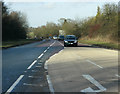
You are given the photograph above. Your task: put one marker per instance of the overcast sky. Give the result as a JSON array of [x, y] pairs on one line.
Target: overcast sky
[[39, 13]]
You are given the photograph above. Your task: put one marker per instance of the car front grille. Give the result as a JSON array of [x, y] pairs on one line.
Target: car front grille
[[70, 41]]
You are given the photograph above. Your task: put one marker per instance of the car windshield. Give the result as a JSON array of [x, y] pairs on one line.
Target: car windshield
[[61, 36], [70, 38]]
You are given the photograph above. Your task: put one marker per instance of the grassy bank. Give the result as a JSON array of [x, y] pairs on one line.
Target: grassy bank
[[104, 44], [8, 44]]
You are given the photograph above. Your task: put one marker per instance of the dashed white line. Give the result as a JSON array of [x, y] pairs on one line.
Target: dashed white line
[[94, 63], [32, 64], [41, 55], [45, 51], [48, 48], [50, 84], [21, 76], [15, 83]]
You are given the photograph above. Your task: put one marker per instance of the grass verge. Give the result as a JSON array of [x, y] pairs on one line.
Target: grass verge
[[103, 44], [8, 44]]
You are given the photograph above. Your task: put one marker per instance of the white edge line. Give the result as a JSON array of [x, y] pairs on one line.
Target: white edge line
[[15, 83], [45, 67], [50, 84], [94, 63], [32, 64]]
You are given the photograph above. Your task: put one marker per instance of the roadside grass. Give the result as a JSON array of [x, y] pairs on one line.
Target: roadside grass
[[104, 44], [7, 44]]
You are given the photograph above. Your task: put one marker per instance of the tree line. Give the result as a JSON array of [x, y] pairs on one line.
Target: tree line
[[14, 24], [104, 25]]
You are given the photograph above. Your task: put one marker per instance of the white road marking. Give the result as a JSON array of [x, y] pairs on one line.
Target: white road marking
[[38, 66], [61, 43], [34, 77], [21, 76], [117, 75], [45, 51], [15, 83], [32, 64], [46, 67], [32, 84], [40, 63], [35, 71], [94, 63], [93, 81], [50, 84], [41, 55], [48, 48]]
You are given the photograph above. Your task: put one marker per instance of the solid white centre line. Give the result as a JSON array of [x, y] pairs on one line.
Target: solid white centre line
[[117, 75], [50, 84], [15, 83], [93, 81], [94, 63], [32, 64]]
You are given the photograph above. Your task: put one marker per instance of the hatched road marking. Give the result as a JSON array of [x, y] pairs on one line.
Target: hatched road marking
[[93, 81], [21, 76], [61, 43]]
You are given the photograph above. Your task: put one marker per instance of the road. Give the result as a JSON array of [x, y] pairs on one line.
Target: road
[[23, 66], [84, 69], [48, 66]]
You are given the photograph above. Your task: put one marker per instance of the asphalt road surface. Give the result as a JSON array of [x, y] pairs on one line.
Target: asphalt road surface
[[48, 66], [23, 66], [84, 69]]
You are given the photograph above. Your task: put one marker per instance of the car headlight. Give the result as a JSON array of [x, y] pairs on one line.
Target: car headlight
[[75, 41], [66, 41]]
